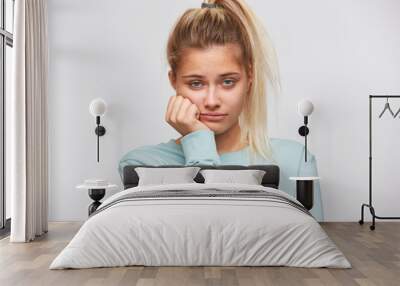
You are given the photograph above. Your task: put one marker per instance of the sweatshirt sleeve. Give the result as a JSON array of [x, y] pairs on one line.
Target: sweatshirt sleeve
[[199, 148]]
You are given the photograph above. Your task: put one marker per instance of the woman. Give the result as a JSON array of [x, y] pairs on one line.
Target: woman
[[220, 63]]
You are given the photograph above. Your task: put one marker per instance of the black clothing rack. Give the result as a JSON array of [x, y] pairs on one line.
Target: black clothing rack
[[371, 208]]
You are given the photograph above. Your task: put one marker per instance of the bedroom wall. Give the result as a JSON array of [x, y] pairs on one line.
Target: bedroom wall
[[335, 53]]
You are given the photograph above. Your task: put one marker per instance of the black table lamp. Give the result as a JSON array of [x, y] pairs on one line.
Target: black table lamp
[[305, 108]]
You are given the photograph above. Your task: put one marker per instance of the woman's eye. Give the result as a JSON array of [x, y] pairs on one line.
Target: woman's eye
[[195, 84], [229, 82]]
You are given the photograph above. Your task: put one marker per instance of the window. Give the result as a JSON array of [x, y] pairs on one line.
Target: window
[[6, 60]]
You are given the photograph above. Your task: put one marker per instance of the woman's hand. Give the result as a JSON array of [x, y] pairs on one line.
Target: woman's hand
[[183, 115]]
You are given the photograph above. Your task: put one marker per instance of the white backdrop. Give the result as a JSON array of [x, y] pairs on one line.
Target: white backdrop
[[334, 53]]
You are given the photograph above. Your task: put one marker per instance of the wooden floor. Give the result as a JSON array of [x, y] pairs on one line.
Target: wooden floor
[[374, 255]]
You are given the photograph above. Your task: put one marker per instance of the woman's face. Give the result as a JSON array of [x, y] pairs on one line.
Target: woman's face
[[216, 81]]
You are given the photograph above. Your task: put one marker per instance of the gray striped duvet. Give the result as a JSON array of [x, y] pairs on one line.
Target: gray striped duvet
[[201, 225]]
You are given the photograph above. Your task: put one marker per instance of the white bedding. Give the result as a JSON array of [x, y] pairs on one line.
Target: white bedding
[[226, 231]]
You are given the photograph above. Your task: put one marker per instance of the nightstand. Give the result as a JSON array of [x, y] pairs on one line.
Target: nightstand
[[305, 190], [96, 191]]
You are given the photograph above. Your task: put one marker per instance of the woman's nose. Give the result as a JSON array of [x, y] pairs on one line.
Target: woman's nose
[[212, 100]]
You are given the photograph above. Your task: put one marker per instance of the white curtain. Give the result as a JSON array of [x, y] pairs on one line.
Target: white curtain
[[26, 119]]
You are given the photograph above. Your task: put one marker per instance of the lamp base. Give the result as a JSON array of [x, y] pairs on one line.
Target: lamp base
[[303, 130], [100, 130]]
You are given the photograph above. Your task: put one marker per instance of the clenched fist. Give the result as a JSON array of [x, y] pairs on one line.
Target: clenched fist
[[183, 115]]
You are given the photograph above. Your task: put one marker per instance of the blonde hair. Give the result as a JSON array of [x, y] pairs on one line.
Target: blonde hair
[[232, 21]]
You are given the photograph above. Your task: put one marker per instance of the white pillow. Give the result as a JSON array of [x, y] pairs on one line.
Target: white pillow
[[162, 175], [249, 177]]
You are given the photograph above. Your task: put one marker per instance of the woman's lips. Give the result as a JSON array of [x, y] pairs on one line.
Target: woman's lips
[[212, 117]]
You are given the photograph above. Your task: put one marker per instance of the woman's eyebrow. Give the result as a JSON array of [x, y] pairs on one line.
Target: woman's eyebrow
[[229, 73], [222, 75], [192, 75]]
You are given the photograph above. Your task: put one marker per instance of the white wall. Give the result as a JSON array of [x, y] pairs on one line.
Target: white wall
[[335, 53]]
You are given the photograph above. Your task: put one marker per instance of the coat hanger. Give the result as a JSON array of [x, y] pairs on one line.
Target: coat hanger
[[387, 106], [398, 111]]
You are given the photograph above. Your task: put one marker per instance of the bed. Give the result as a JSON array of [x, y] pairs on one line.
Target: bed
[[201, 224]]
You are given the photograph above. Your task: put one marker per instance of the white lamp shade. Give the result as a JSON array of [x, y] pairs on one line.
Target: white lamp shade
[[305, 107], [97, 107]]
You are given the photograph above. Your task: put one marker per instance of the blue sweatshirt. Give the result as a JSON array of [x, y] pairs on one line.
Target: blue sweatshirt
[[199, 148]]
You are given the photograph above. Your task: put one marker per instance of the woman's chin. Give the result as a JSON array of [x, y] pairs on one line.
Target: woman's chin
[[216, 128], [212, 125]]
